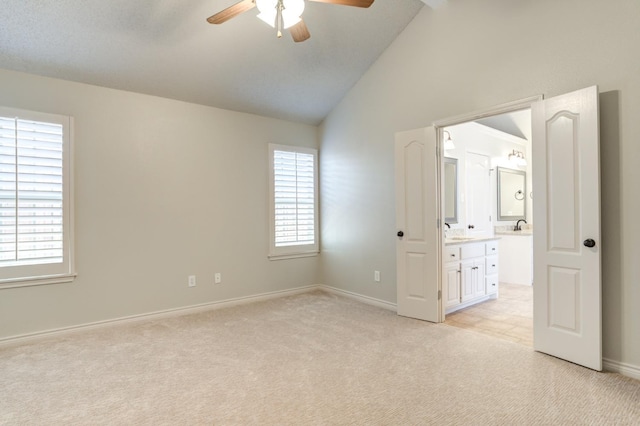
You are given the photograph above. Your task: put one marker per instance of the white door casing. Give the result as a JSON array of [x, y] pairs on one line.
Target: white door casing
[[417, 254], [566, 212]]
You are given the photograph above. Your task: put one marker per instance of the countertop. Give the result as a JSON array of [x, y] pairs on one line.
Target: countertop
[[523, 233], [465, 240]]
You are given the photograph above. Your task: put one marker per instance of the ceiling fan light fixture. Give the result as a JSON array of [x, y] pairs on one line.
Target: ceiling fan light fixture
[[291, 11]]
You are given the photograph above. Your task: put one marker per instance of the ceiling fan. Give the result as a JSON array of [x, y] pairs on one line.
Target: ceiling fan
[[280, 14]]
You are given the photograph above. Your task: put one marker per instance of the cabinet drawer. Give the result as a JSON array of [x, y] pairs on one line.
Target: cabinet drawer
[[469, 251], [451, 254], [492, 247], [492, 284], [491, 265]]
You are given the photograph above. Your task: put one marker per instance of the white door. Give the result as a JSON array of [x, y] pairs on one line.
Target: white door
[[418, 263], [478, 194], [566, 240]]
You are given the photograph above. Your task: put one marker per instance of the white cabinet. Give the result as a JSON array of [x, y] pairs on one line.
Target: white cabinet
[[491, 265], [472, 278], [452, 284], [470, 273], [492, 284], [468, 284]]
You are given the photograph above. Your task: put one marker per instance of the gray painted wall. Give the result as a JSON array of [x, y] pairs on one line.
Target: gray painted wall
[[163, 189], [469, 56]]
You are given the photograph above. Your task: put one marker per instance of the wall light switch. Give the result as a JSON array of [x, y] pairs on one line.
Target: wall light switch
[[192, 280], [376, 276], [218, 278]]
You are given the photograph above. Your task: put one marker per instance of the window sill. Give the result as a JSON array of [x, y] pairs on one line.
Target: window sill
[[33, 281], [292, 255]]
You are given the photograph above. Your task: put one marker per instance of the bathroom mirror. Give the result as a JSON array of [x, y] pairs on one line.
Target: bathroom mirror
[[512, 194], [451, 190]]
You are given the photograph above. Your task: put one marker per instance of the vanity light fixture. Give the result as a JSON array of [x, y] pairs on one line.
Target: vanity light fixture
[[448, 143], [517, 158]]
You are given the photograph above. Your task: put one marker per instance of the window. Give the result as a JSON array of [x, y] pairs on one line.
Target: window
[[35, 198], [293, 182]]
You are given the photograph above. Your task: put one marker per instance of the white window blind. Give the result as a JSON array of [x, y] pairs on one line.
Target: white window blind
[[34, 210], [30, 192], [294, 203]]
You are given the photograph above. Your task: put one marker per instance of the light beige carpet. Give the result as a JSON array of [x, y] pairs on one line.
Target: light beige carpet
[[301, 360]]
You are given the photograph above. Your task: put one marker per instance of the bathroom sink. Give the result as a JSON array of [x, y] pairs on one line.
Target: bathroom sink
[[460, 238]]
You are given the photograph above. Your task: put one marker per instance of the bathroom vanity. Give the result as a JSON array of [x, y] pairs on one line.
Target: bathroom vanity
[[470, 271]]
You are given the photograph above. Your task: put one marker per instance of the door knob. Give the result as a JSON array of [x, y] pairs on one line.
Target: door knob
[[589, 243], [400, 234]]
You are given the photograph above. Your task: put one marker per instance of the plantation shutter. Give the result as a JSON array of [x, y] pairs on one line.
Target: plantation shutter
[[31, 192], [294, 198]]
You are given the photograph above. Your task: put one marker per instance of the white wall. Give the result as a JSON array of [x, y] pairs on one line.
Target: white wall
[[163, 189], [469, 56]]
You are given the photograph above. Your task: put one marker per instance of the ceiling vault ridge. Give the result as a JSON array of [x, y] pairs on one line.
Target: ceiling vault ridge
[[434, 4]]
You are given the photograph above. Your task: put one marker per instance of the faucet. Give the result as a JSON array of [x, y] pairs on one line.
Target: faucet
[[447, 225], [517, 227]]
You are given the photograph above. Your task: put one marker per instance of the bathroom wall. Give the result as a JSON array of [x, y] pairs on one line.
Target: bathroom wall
[[497, 145]]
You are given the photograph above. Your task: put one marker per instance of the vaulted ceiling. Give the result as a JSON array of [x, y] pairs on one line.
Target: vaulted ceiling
[[166, 48]]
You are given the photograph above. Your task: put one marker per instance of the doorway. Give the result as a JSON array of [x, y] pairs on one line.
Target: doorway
[[488, 201], [567, 299]]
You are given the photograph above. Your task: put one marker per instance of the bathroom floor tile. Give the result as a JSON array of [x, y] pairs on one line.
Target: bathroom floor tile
[[510, 317]]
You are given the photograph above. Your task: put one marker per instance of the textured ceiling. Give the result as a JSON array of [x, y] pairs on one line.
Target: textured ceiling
[[516, 123], [166, 48]]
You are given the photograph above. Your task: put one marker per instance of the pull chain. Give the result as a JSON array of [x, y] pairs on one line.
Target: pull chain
[[280, 6]]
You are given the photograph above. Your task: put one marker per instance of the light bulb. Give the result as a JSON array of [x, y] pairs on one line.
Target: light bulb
[[268, 11], [291, 11]]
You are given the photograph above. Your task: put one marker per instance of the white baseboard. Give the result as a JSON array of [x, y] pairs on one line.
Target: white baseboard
[[193, 309], [361, 298], [628, 370]]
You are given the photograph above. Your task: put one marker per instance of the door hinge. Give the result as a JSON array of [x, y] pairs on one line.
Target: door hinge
[[439, 294]]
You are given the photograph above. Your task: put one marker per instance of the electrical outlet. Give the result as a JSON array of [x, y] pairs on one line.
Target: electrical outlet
[[192, 280], [376, 276], [217, 278]]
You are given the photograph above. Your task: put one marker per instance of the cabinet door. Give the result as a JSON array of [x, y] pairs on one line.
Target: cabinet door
[[468, 273], [478, 277], [452, 284]]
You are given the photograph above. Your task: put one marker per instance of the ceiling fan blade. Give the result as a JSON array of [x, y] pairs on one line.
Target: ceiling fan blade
[[355, 3], [231, 12], [300, 32]]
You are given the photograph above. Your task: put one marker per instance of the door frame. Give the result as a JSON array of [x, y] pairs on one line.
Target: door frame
[[439, 125]]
